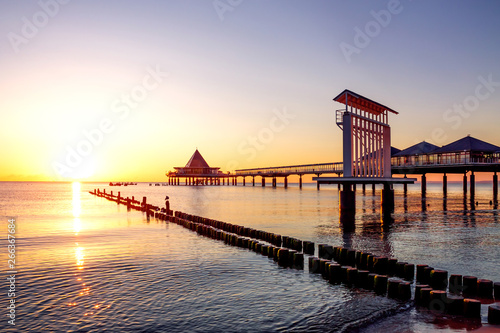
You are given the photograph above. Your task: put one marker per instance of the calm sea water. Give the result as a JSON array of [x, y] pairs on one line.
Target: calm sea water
[[87, 265]]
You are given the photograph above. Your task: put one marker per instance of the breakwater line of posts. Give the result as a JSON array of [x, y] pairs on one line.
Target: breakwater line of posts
[[434, 289]]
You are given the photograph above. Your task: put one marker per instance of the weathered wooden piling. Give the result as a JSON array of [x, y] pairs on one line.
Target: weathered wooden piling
[[298, 260], [291, 257], [325, 251], [283, 257], [314, 265], [425, 296], [469, 285], [380, 284], [496, 287], [404, 291], [400, 269], [418, 288], [409, 272], [351, 257], [352, 276], [276, 251], [393, 287], [455, 284], [472, 308], [334, 272], [380, 265], [494, 314], [362, 278], [264, 250], [343, 273], [370, 283], [308, 247], [343, 256], [485, 288], [322, 267], [438, 301], [391, 266], [426, 275]]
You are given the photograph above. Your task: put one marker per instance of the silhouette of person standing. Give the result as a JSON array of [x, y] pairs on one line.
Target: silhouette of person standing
[[167, 204]]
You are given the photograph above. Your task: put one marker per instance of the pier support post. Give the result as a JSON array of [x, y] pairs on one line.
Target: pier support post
[[465, 183], [495, 188], [263, 181], [472, 186], [373, 189], [364, 188], [317, 182], [300, 181], [144, 204], [387, 199], [274, 181], [424, 184], [445, 185], [285, 182], [243, 181], [253, 180], [347, 205]]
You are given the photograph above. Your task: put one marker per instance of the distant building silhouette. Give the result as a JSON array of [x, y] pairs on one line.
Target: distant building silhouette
[[196, 172]]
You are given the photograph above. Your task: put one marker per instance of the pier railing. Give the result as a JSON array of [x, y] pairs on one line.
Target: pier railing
[[467, 161], [293, 170], [396, 165]]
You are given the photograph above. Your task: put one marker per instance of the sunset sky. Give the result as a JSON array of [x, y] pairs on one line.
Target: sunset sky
[[126, 90]]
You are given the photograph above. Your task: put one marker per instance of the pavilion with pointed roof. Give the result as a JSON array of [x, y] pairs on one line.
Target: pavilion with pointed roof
[[197, 172]]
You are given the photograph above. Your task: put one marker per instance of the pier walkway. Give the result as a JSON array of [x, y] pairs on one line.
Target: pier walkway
[[423, 163], [285, 171]]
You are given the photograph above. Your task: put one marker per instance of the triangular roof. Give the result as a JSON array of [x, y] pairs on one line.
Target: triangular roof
[[361, 102], [197, 161], [420, 148], [394, 150], [468, 143]]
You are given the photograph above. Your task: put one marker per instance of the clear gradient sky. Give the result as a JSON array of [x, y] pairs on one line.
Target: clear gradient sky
[[250, 83]]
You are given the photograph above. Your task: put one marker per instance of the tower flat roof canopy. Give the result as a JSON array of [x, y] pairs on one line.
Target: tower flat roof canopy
[[361, 102]]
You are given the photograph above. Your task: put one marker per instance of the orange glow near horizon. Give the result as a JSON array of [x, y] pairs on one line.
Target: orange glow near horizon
[[93, 99]]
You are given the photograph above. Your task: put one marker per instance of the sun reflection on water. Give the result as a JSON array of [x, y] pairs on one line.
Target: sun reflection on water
[[80, 256]]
